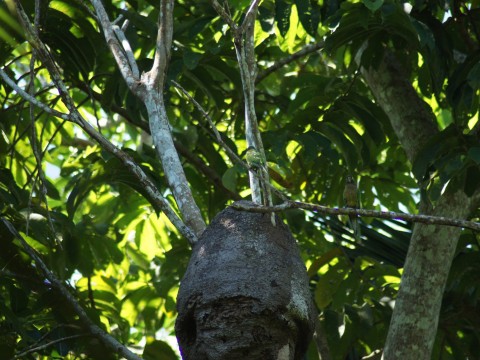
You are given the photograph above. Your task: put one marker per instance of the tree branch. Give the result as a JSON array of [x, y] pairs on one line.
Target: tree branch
[[308, 49], [232, 155], [412, 119], [432, 248], [46, 345], [251, 13], [149, 88], [425, 219], [34, 141], [119, 52], [106, 338], [321, 341], [163, 44], [193, 159], [152, 96], [119, 33], [229, 151], [243, 37], [245, 49], [153, 194], [224, 15], [32, 100]]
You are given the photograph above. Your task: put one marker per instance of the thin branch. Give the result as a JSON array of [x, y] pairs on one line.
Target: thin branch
[[308, 49], [321, 341], [251, 12], [52, 330], [425, 219], [243, 38], [36, 143], [27, 97], [209, 173], [232, 154], [195, 160], [44, 346], [158, 72], [116, 47], [86, 8], [119, 33], [244, 42], [155, 197], [96, 331], [245, 52], [225, 16]]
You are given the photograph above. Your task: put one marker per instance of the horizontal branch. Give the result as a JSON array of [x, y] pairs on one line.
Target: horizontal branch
[[44, 346], [425, 219]]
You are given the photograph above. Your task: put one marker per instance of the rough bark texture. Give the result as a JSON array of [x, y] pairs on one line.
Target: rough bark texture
[[245, 294], [172, 166], [415, 318], [417, 308], [412, 119]]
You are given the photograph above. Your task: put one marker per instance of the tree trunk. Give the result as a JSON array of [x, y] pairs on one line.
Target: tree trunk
[[415, 317], [417, 308]]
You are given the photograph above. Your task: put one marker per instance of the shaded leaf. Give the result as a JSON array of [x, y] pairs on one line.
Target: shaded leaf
[[282, 15], [158, 349]]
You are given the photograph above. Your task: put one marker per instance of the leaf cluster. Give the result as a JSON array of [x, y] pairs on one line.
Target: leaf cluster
[[319, 123]]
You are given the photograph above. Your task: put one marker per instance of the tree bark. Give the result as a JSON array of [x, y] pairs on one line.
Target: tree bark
[[415, 317], [149, 88], [172, 166], [411, 118]]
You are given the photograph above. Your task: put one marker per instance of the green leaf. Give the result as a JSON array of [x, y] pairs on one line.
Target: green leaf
[[282, 16], [427, 39], [191, 58], [329, 283], [309, 15], [354, 26], [345, 146], [472, 180], [440, 143], [138, 258], [399, 25], [157, 349], [473, 76], [373, 5], [474, 154], [229, 179], [460, 92]]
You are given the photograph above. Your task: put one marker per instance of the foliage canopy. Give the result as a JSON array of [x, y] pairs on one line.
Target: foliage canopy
[[92, 223]]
